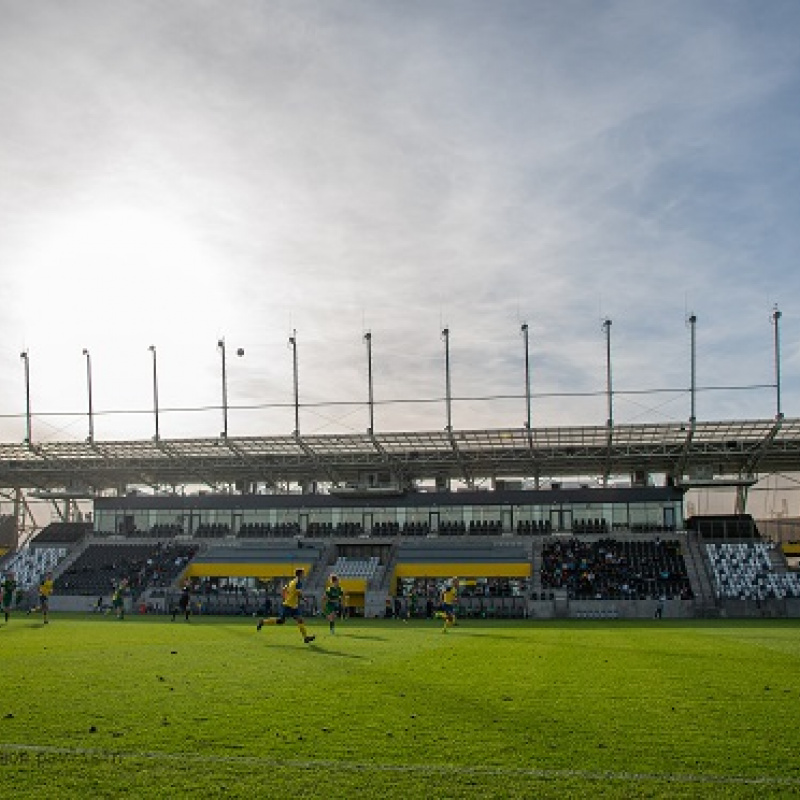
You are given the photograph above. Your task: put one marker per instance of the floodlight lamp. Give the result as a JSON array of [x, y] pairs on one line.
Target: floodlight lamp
[[240, 351]]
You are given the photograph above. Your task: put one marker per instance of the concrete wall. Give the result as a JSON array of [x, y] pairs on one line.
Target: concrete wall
[[608, 609], [81, 603]]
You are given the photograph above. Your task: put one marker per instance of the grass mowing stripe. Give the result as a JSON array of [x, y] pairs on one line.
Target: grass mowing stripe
[[423, 769]]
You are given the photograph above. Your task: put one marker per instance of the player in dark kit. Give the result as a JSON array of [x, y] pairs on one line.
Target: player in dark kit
[[334, 595], [118, 598], [9, 587], [183, 604]]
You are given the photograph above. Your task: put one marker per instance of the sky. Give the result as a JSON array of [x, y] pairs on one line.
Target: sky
[[177, 173]]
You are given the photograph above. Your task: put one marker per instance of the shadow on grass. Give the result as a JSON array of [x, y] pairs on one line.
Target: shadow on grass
[[314, 648], [349, 635], [480, 634], [26, 624], [325, 651]]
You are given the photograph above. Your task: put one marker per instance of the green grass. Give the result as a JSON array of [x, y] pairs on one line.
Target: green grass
[[148, 708]]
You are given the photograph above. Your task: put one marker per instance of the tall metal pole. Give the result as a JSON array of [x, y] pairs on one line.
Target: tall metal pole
[[293, 345], [221, 346], [776, 316], [89, 389], [609, 385], [152, 349], [368, 340], [24, 356], [446, 337], [527, 377], [223, 352], [693, 388]]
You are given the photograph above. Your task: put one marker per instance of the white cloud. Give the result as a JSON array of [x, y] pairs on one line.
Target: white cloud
[[174, 173]]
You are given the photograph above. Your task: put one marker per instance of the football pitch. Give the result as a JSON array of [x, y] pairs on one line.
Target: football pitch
[[150, 708]]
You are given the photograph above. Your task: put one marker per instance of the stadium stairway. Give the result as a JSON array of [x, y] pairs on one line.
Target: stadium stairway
[[777, 561], [697, 569], [379, 586], [58, 603], [72, 557], [320, 569]]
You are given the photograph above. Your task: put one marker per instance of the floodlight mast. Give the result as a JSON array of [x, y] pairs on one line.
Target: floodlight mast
[[152, 349], [524, 330], [446, 337], [89, 391], [221, 347], [609, 384], [293, 345], [25, 359], [693, 386], [371, 397], [239, 352], [776, 317]]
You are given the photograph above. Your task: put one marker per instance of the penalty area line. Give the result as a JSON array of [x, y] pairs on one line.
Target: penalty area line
[[9, 750]]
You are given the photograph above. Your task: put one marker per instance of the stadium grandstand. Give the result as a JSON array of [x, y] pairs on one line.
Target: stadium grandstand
[[509, 512]]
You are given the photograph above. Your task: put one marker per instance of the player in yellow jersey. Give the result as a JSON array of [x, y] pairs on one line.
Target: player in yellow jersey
[[292, 595], [45, 590], [449, 601]]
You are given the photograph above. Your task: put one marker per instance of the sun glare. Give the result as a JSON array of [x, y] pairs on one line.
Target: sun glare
[[120, 262], [133, 242]]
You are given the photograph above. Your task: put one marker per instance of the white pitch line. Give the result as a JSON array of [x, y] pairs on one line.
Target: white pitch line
[[422, 769]]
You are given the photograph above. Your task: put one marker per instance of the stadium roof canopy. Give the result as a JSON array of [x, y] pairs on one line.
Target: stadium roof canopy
[[691, 453]]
